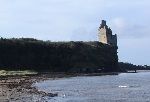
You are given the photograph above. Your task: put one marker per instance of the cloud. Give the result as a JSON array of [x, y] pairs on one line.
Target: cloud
[[134, 51], [119, 23], [41, 18], [64, 20]]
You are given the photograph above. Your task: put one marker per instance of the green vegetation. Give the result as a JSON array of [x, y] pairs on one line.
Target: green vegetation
[[128, 66], [25, 72], [38, 55]]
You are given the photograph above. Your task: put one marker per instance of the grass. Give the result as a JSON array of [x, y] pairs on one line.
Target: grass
[[13, 73]]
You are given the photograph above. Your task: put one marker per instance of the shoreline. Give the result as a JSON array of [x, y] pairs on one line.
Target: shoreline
[[16, 88], [20, 89]]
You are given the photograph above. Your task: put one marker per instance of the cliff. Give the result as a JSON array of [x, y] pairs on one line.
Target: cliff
[[32, 54]]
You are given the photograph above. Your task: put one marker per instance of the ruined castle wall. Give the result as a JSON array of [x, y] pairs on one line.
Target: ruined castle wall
[[114, 40], [106, 36], [103, 36]]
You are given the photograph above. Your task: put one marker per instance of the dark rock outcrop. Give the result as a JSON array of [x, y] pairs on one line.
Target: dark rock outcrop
[[32, 54]]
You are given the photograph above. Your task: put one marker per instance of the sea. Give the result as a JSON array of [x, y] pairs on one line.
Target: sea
[[124, 87]]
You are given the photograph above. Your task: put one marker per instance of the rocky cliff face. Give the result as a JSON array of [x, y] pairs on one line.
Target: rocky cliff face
[[32, 54]]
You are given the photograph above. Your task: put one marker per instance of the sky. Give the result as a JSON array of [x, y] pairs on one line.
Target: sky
[[78, 20]]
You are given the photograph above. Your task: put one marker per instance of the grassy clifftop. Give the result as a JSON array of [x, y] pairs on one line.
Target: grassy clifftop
[[32, 54]]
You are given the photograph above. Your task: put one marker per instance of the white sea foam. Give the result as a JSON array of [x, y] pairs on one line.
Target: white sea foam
[[121, 86]]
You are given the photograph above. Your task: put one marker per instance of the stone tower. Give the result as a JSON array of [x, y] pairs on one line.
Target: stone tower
[[105, 34]]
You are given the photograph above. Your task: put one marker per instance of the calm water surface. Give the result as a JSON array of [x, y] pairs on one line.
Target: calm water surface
[[125, 87]]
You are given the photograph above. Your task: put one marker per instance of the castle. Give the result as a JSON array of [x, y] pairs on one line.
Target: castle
[[105, 35]]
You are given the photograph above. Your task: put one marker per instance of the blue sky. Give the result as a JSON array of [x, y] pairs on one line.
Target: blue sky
[[65, 20]]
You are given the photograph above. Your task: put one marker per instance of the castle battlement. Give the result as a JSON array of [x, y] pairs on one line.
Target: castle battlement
[[105, 34]]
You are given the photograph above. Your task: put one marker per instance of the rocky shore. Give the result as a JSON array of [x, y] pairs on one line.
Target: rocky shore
[[20, 89]]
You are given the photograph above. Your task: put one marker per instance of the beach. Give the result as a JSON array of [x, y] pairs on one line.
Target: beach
[[20, 89]]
